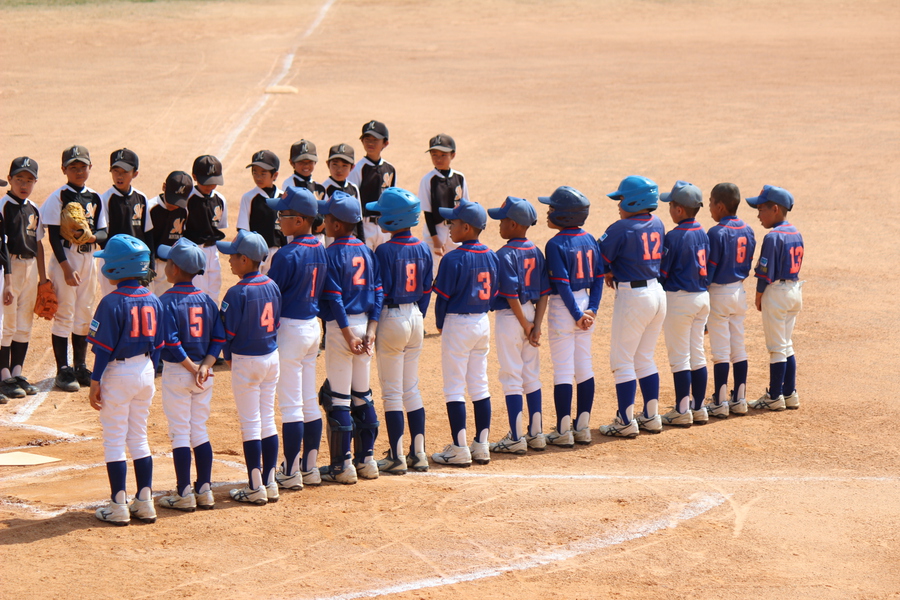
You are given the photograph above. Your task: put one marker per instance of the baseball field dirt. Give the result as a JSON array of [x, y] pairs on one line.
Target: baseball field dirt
[[803, 94]]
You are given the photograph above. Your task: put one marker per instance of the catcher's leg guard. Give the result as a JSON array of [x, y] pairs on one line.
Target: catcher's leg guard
[[340, 424], [366, 423]]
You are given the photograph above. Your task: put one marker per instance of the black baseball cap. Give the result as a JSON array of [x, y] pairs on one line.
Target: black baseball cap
[[179, 186], [375, 129], [304, 150], [23, 163], [3, 183], [265, 159], [125, 159], [442, 142], [207, 170], [75, 154], [342, 151]]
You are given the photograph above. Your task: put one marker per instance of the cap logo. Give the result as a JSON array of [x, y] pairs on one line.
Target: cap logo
[[304, 148], [26, 162], [75, 151], [341, 148], [438, 141], [260, 156], [211, 170], [181, 189], [120, 154], [371, 125]]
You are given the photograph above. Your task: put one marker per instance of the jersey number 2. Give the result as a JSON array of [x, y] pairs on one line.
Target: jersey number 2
[[143, 321], [360, 263]]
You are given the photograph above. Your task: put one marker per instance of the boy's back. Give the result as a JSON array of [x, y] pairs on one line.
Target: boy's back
[[193, 318], [251, 311], [468, 282], [685, 252], [732, 245], [633, 247], [352, 279]]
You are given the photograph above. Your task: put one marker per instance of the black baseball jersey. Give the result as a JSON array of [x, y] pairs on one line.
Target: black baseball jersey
[[21, 225], [255, 215], [88, 198], [206, 215], [125, 213], [299, 181], [371, 179], [441, 189], [331, 186], [168, 225]]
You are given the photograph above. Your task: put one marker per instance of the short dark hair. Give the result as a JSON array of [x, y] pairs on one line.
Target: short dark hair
[[691, 211], [728, 195]]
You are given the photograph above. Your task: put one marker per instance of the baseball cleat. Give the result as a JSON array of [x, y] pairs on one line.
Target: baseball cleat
[[83, 375], [66, 380], [792, 402], [367, 469], [649, 424], [12, 389], [289, 482], [563, 440], [536, 442], [178, 502], [700, 416], [312, 477], [114, 513], [332, 474], [393, 466], [720, 411], [143, 510], [457, 456], [508, 446], [30, 390], [767, 403], [619, 429], [673, 418], [582, 436], [481, 452], [737, 407], [259, 496], [417, 462], [205, 500], [272, 494]]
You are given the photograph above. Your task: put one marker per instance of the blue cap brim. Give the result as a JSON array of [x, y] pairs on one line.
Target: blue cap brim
[[664, 197], [226, 247], [497, 213], [163, 251], [754, 201], [373, 206], [446, 213], [323, 207], [544, 199], [278, 203]]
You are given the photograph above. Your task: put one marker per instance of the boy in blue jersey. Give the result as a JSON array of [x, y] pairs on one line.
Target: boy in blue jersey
[[299, 270], [731, 248], [576, 286], [684, 277], [523, 288], [632, 251], [251, 312], [126, 337], [466, 285], [354, 298], [193, 335], [405, 265], [778, 295]]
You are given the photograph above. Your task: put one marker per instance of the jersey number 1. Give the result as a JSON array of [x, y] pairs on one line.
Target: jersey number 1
[[143, 321]]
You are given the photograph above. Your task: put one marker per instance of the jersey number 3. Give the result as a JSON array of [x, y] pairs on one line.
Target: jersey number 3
[[143, 321]]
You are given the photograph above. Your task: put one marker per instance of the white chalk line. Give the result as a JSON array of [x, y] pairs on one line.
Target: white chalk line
[[634, 531], [286, 63], [682, 477]]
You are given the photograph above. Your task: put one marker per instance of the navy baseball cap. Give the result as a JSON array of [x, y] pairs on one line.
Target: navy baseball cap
[[207, 170], [75, 154], [265, 159], [124, 159], [442, 142], [342, 206], [376, 129], [186, 255], [249, 243], [684, 193], [178, 187], [771, 193], [304, 150], [23, 163], [519, 210], [467, 212], [3, 183], [342, 151], [299, 200]]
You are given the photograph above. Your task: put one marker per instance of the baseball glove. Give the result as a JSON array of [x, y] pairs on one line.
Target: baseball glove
[[73, 224], [46, 303], [148, 278]]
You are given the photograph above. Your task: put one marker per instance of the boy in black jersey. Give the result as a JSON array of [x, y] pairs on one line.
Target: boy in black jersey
[[442, 187], [340, 162], [168, 213], [255, 214], [304, 159], [372, 174], [207, 216]]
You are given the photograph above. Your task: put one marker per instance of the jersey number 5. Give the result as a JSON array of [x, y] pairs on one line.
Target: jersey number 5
[[195, 321], [143, 321], [267, 319]]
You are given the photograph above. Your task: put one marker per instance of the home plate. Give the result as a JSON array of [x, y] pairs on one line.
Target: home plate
[[21, 459]]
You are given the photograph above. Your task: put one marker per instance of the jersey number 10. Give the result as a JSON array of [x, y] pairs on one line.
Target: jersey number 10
[[143, 321]]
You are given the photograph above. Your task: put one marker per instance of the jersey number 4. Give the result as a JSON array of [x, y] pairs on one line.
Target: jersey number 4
[[267, 319], [143, 321]]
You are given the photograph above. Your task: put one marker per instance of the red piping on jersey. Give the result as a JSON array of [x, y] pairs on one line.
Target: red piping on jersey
[[472, 244], [173, 345], [441, 293], [508, 295], [647, 217], [566, 279], [231, 333], [95, 341], [545, 292], [346, 241], [298, 242], [573, 234]]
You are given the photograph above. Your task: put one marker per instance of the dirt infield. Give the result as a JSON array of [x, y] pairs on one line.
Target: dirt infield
[[803, 95]]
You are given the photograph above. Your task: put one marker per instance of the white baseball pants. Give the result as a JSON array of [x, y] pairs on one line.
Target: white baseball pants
[[398, 345], [781, 303], [570, 346], [266, 264], [638, 316], [346, 371], [186, 406], [298, 346], [17, 317], [727, 310], [126, 392], [76, 304], [374, 235], [443, 235], [104, 284], [465, 343], [160, 284], [211, 280], [686, 315], [520, 362], [253, 380]]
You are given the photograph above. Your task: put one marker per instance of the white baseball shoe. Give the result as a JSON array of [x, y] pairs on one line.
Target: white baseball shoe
[[768, 403], [143, 510], [737, 407], [417, 461], [259, 496], [114, 513], [205, 500], [394, 466], [289, 482], [563, 440], [272, 494], [347, 476], [582, 436], [674, 418], [367, 469], [792, 402], [619, 429], [700, 416], [481, 452], [720, 411], [178, 502], [508, 446], [536, 442], [457, 456], [313, 477], [649, 424]]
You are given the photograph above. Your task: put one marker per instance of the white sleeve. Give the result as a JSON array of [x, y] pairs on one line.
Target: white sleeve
[[103, 215], [425, 193], [50, 210], [355, 176], [148, 204], [243, 221], [223, 222], [465, 190]]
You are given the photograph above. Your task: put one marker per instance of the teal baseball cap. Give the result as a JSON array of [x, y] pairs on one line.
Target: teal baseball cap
[[299, 200], [771, 193], [249, 243], [519, 210], [467, 212], [342, 206], [186, 255]]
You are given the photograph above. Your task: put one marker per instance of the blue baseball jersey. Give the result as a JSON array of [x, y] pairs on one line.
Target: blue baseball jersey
[[353, 284], [126, 324], [191, 324], [251, 312], [466, 281], [632, 248], [731, 248], [523, 273], [573, 264], [405, 265], [685, 252], [780, 257], [299, 269]]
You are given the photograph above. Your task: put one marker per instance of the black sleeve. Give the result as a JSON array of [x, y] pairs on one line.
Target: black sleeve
[[56, 243], [360, 232], [431, 220], [101, 236], [4, 254]]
